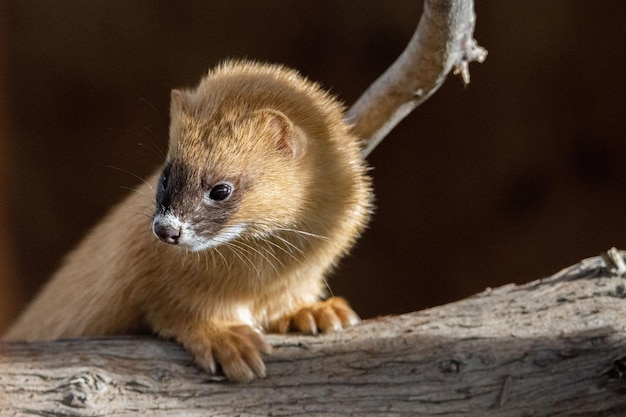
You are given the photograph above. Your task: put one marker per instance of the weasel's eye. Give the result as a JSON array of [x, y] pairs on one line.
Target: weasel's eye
[[163, 182], [220, 192], [164, 178]]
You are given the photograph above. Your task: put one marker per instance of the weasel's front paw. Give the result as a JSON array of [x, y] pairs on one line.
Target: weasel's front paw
[[237, 349], [326, 316]]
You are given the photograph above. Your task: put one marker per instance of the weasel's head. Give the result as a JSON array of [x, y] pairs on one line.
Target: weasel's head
[[228, 174]]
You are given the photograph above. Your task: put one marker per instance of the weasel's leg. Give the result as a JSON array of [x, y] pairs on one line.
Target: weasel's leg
[[236, 348], [326, 316]]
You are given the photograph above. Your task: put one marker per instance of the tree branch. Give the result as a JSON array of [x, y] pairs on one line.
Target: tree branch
[[552, 347], [443, 40]]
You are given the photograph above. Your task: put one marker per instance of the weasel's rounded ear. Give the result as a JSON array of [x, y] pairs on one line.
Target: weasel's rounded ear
[[178, 103], [289, 138]]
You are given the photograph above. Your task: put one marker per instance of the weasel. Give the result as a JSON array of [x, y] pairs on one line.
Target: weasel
[[263, 190]]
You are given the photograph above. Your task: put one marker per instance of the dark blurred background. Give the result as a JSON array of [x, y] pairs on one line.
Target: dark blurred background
[[508, 180]]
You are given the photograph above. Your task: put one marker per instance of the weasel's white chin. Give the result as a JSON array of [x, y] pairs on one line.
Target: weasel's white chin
[[197, 244]]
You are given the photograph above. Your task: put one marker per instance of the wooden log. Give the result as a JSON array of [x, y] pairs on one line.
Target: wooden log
[[553, 347]]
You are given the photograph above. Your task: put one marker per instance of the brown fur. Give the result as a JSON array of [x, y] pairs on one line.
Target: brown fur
[[303, 194]]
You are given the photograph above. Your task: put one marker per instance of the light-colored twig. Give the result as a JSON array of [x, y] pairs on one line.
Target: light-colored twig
[[443, 42]]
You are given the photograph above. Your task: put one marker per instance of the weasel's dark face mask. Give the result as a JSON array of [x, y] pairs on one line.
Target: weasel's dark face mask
[[193, 211]]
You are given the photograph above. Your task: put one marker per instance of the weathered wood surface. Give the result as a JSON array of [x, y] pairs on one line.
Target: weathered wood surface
[[553, 347]]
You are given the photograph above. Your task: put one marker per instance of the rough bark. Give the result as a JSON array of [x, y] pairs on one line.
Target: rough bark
[[553, 347]]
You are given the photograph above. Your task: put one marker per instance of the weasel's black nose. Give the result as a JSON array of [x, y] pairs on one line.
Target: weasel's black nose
[[167, 234]]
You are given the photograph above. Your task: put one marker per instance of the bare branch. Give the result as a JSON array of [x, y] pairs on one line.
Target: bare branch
[[443, 41]]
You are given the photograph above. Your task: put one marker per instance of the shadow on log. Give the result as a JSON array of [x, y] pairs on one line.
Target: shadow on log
[[553, 347]]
